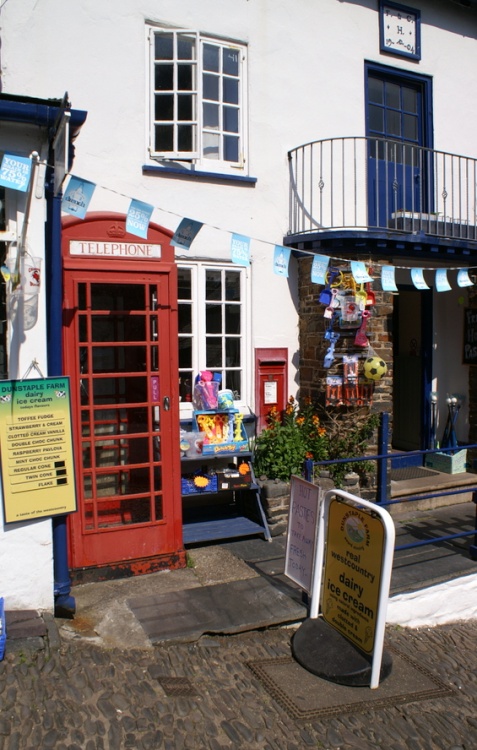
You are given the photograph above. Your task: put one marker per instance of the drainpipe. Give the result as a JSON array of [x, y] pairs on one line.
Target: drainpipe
[[65, 604]]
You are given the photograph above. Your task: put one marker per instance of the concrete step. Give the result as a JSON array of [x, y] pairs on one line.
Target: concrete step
[[423, 482]]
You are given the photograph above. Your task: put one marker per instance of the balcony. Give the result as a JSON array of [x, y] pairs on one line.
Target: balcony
[[353, 190]]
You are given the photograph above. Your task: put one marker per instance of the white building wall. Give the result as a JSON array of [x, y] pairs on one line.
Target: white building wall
[[26, 549], [305, 82]]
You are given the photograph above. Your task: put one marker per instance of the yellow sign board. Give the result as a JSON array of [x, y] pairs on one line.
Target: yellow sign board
[[36, 448], [352, 573]]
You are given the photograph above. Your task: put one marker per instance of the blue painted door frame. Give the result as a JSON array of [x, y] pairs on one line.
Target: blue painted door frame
[[398, 117]]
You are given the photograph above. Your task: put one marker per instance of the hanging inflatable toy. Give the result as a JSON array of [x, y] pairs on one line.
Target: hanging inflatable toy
[[375, 368]]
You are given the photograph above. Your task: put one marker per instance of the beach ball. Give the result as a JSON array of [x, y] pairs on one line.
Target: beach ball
[[375, 368]]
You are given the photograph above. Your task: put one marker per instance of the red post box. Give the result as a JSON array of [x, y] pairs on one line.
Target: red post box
[[271, 383]]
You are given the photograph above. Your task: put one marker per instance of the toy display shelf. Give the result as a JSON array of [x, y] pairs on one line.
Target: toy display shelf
[[209, 516]]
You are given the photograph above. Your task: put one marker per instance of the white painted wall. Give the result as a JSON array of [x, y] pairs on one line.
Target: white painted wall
[[26, 552], [437, 605], [306, 82]]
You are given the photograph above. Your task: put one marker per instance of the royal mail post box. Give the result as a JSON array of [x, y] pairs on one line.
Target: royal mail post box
[[271, 385]]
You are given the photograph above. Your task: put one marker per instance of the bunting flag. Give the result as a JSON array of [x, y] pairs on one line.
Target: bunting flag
[[417, 276], [319, 269], [77, 197], [463, 278], [138, 218], [240, 250], [442, 282], [281, 259], [388, 282], [15, 172], [359, 272], [186, 233]]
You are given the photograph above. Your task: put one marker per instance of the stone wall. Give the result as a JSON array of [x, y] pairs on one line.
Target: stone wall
[[313, 345]]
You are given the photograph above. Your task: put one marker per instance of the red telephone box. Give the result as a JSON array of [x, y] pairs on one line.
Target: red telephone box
[[120, 352], [271, 382]]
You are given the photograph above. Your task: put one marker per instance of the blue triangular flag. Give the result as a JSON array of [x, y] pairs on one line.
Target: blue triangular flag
[[138, 217], [359, 272], [319, 268], [15, 172], [442, 282], [240, 249], [77, 196], [186, 233], [463, 278], [281, 259], [417, 276], [388, 282]]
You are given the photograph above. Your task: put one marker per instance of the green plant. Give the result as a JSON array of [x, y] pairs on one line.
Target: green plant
[[349, 438], [281, 449], [300, 433]]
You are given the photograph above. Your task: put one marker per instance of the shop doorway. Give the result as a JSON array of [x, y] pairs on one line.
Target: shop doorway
[[120, 351], [412, 365]]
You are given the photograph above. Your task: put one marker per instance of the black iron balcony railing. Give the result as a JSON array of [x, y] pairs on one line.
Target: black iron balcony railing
[[371, 183]]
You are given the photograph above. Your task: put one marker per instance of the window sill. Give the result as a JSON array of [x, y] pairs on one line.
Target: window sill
[[197, 175]]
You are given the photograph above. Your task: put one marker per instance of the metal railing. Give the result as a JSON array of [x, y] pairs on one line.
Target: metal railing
[[372, 183], [383, 462]]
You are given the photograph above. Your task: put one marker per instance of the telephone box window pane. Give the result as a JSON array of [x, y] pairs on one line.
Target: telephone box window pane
[[82, 296], [117, 297], [118, 327]]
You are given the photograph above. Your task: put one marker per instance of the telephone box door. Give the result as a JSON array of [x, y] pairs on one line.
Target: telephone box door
[[120, 353]]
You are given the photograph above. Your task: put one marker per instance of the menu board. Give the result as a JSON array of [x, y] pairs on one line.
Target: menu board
[[36, 448], [470, 336]]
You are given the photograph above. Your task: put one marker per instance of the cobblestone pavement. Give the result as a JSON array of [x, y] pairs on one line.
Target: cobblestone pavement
[[73, 695]]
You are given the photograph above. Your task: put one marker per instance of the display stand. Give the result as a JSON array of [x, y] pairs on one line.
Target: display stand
[[228, 504]]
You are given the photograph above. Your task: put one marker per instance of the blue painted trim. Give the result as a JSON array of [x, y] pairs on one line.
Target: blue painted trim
[[196, 175], [382, 30], [406, 76], [37, 113]]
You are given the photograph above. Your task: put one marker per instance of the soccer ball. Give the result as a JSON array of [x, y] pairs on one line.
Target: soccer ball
[[375, 368]]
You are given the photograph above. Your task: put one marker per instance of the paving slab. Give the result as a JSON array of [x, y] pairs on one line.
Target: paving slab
[[232, 607]]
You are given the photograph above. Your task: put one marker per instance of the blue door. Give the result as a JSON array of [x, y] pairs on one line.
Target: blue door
[[398, 167]]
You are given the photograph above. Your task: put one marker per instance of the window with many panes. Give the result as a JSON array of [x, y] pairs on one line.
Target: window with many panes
[[211, 326], [197, 100]]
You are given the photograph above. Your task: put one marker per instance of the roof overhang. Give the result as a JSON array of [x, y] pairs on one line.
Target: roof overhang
[[43, 113]]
